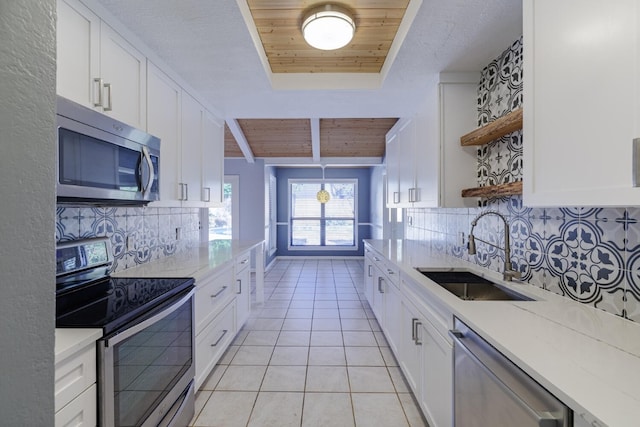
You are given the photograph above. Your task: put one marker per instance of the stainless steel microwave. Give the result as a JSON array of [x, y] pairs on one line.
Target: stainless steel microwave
[[102, 161]]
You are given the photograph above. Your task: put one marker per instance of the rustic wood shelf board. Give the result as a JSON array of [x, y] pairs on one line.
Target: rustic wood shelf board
[[491, 191], [494, 130]]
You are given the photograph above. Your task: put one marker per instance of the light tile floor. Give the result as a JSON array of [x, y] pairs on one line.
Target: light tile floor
[[311, 355]]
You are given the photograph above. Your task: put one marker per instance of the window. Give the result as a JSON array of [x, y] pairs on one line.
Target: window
[[222, 225], [315, 224]]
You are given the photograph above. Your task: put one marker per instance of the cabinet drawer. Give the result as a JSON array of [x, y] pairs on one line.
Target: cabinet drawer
[[212, 342], [243, 261], [212, 296], [81, 411], [73, 375]]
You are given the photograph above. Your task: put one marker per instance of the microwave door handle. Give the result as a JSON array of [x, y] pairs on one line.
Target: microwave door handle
[[147, 188]]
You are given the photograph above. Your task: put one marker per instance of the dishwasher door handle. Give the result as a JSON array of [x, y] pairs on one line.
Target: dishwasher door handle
[[543, 418]]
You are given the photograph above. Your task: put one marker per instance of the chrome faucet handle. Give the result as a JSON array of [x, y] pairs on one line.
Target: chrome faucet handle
[[509, 275]]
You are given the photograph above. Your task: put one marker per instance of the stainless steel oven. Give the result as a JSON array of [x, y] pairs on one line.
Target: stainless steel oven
[[146, 354], [146, 368]]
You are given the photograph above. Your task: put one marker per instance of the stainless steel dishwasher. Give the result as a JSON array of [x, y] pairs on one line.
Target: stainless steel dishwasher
[[489, 390]]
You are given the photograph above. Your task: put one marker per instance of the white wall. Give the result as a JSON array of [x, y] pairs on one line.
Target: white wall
[[27, 173]]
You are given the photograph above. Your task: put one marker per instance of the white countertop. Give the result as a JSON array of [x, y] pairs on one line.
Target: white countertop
[[196, 262], [70, 340], [586, 357]]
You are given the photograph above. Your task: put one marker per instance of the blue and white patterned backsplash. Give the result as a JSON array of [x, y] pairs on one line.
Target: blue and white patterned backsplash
[[151, 232], [591, 255]]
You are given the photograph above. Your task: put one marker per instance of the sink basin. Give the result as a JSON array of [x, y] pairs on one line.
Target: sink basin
[[471, 287]]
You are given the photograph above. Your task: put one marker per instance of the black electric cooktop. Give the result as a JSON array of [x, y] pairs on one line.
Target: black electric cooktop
[[110, 303]]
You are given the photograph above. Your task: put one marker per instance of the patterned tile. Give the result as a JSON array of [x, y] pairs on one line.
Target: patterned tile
[[591, 255], [151, 231]]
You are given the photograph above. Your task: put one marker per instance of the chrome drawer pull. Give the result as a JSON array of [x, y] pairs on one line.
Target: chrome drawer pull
[[239, 286], [219, 292], [224, 332]]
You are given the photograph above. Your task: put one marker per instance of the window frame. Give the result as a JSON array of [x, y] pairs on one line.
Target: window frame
[[323, 219]]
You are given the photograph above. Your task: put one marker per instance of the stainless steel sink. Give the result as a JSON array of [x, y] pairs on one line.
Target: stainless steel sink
[[471, 287]]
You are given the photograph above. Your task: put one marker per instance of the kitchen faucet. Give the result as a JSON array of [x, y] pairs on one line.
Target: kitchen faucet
[[509, 272]]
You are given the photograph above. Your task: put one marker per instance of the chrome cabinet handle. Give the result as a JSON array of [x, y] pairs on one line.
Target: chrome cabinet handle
[[244, 261], [100, 83], [413, 329], [208, 196], [396, 197], [239, 286], [186, 191], [109, 105], [219, 292], [380, 280], [224, 332], [416, 324], [181, 197]]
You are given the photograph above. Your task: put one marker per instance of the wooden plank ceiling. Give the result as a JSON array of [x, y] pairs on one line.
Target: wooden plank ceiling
[[269, 138], [278, 23]]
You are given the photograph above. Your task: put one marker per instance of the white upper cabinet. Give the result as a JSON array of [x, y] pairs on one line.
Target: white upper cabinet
[[164, 116], [426, 165], [581, 102], [212, 160], [98, 68], [192, 136]]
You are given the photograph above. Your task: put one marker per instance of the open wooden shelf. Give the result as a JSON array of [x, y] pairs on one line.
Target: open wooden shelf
[[494, 130], [491, 191]]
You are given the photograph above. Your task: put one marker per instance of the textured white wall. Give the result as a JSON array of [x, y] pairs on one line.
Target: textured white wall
[[27, 210]]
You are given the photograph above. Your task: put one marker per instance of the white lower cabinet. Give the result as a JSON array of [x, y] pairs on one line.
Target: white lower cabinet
[[408, 318], [75, 388], [393, 322], [410, 359], [437, 377], [81, 411], [212, 342], [243, 289]]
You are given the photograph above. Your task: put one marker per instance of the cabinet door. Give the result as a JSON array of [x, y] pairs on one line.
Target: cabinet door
[[581, 101], [393, 317], [407, 140], [163, 121], [192, 118], [78, 53], [243, 296], [379, 290], [212, 160], [392, 160], [369, 279], [123, 70], [411, 348], [458, 169], [437, 377], [212, 342]]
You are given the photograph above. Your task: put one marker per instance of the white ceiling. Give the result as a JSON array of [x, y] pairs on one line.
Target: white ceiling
[[207, 43]]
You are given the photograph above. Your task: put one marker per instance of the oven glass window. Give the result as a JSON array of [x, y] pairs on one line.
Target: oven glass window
[[148, 364]]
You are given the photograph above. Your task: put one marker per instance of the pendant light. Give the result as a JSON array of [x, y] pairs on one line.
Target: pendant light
[[323, 196], [328, 27]]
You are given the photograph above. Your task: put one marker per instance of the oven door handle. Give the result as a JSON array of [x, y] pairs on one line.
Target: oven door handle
[[155, 316], [542, 418]]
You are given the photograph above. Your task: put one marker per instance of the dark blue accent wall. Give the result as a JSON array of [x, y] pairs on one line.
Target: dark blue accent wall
[[363, 175]]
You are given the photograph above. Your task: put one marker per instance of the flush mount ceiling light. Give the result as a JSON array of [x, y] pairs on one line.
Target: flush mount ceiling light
[[328, 27]]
